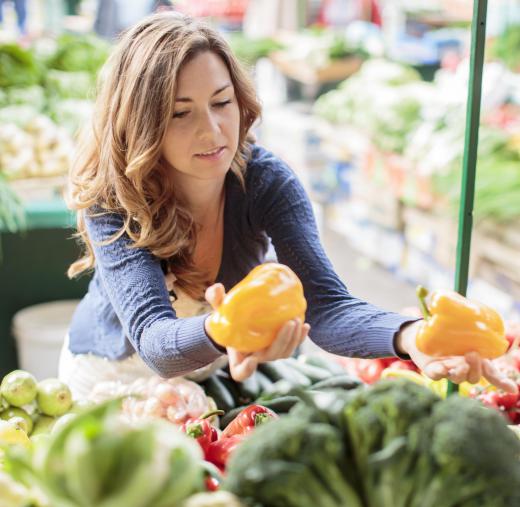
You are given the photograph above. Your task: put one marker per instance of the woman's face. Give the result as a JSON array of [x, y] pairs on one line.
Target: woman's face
[[202, 137]]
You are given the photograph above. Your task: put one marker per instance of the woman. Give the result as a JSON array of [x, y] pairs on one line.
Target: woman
[[174, 202]]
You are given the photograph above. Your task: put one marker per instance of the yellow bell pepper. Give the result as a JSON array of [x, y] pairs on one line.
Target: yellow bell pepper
[[455, 325], [439, 387], [412, 376], [465, 388], [255, 309]]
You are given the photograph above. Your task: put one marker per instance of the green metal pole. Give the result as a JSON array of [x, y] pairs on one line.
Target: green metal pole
[[467, 192]]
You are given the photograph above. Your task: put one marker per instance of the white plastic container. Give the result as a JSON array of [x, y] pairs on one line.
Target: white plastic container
[[39, 331]]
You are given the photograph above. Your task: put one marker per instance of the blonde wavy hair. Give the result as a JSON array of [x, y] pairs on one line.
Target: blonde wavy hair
[[119, 167]]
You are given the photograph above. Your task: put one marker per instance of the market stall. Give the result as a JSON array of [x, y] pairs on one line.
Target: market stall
[[315, 428]]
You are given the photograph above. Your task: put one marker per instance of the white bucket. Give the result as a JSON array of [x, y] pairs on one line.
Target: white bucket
[[40, 331]]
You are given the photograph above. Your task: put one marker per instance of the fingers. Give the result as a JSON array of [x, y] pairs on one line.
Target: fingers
[[495, 377], [215, 295], [475, 367], [241, 366], [455, 369], [278, 349], [469, 368], [299, 334], [440, 368], [290, 336], [459, 373]]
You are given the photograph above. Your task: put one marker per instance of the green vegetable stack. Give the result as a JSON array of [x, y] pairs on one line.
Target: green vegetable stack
[[392, 445], [97, 460]]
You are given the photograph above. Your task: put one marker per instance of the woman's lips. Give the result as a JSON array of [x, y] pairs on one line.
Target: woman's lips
[[214, 154]]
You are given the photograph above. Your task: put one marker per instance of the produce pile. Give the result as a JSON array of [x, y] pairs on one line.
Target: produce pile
[[370, 371], [425, 123], [317, 47], [176, 399], [394, 444], [315, 436], [45, 95], [299, 432], [34, 406]]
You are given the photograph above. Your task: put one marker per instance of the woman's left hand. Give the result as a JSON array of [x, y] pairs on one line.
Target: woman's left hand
[[243, 365], [469, 368]]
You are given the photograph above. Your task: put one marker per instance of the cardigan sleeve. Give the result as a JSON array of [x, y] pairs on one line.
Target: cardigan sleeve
[[134, 282], [340, 323]]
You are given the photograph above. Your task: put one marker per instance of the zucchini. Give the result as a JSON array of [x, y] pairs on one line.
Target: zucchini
[[281, 405], [339, 381], [232, 387], [215, 388], [313, 373], [323, 362], [263, 381], [249, 389], [229, 416], [279, 370], [281, 388]]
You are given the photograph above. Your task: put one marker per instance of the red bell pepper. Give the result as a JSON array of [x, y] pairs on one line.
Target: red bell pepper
[[369, 370], [202, 430], [220, 451], [211, 483], [247, 420]]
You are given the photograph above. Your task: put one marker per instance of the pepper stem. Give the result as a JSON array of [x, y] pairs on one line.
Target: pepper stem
[[422, 292], [261, 418], [211, 414]]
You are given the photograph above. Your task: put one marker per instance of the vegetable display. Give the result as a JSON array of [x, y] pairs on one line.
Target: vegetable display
[[176, 400], [393, 444], [18, 66], [256, 308], [33, 406], [454, 326], [99, 460]]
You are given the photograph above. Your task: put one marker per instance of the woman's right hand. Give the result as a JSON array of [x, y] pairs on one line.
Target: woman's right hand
[[243, 365]]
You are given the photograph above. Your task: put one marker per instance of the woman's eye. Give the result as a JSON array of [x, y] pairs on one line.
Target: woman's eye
[[180, 114], [223, 103]]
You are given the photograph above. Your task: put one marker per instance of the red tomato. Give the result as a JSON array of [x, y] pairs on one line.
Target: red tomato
[[369, 370], [387, 361], [506, 400], [489, 398], [212, 484]]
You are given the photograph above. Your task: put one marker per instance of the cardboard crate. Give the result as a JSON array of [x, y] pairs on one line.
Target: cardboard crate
[[437, 236]]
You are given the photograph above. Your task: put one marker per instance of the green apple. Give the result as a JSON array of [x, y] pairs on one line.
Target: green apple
[[80, 406], [43, 424], [62, 421], [32, 409], [18, 388], [21, 416], [3, 404], [54, 397]]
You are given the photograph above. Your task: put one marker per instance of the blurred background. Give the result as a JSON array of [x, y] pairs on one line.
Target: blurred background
[[365, 99]]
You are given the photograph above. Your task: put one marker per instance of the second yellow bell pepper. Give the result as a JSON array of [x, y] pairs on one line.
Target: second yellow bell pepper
[[455, 325], [255, 309]]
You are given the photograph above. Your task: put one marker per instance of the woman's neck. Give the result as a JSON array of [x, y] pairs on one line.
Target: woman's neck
[[204, 201]]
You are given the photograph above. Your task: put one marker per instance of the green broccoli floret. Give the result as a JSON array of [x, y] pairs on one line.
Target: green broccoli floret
[[475, 458], [292, 462], [378, 421]]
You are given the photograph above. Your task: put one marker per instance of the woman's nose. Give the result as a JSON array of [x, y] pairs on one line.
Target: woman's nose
[[209, 125]]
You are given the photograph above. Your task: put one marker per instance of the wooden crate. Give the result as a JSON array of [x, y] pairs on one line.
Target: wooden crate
[[301, 71], [39, 189]]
